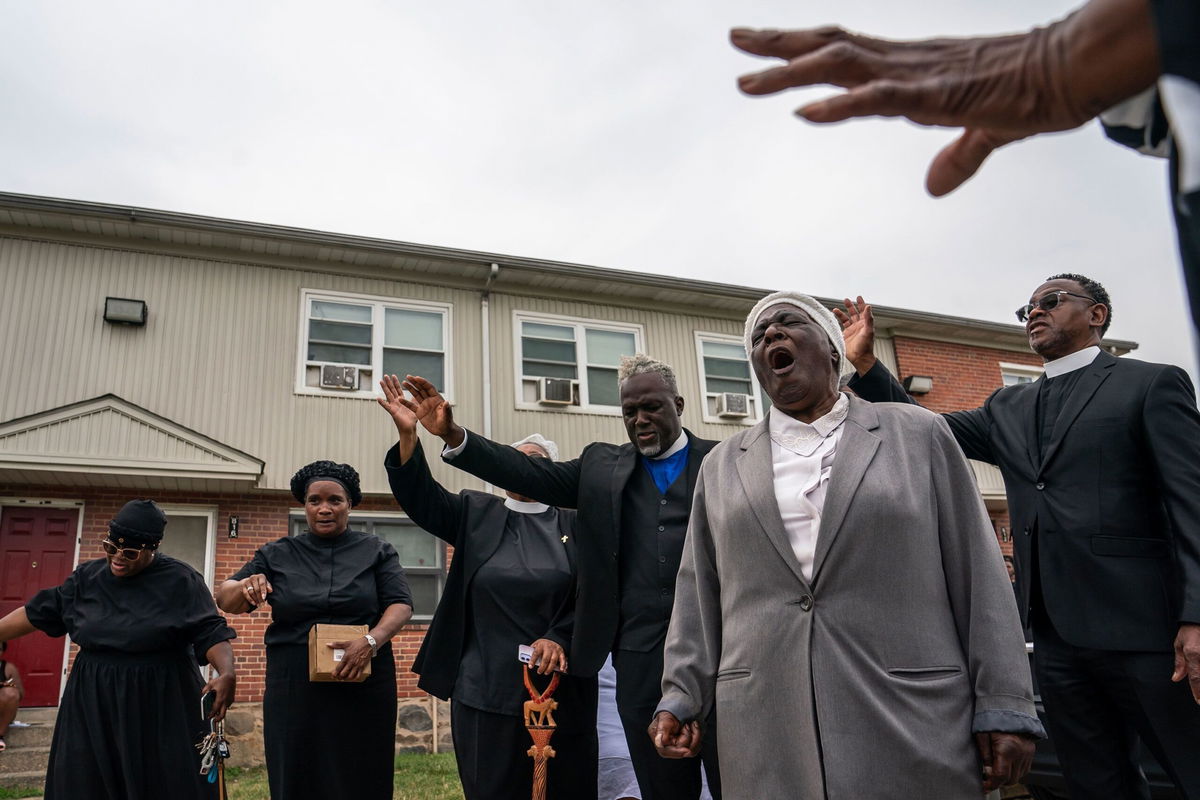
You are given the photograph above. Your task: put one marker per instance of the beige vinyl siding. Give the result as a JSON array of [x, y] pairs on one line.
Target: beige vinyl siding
[[218, 353], [666, 336], [669, 337]]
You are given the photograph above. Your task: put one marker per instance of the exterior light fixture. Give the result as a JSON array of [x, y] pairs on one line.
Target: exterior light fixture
[[918, 384], [123, 311]]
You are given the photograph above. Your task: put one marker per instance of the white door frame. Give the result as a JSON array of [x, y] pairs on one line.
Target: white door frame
[[18, 501], [210, 544]]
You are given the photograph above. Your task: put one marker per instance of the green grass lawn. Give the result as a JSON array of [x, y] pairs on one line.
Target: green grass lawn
[[15, 794], [418, 777]]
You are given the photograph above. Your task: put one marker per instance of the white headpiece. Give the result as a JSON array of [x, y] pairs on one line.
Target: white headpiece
[[536, 439], [820, 315]]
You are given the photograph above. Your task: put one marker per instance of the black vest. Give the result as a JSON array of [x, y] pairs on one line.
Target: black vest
[[653, 528]]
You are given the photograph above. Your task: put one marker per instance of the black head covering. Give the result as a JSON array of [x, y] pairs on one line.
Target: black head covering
[[343, 474], [138, 523]]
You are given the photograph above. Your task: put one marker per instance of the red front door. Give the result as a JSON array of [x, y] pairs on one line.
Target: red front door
[[37, 550]]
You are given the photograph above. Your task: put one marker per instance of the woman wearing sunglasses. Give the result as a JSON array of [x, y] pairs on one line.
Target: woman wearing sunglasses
[[129, 718]]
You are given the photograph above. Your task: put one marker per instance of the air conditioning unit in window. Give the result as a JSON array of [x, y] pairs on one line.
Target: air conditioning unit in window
[[731, 405], [339, 376], [557, 392]]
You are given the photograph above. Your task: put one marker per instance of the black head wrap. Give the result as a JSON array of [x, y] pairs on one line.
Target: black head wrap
[[343, 474], [138, 523]]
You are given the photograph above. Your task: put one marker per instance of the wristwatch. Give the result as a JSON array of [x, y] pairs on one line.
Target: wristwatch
[[374, 644]]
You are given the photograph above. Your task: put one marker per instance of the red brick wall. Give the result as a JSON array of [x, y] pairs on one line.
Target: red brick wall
[[262, 518], [963, 375]]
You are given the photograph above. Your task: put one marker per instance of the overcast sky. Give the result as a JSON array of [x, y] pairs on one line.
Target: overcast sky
[[608, 134]]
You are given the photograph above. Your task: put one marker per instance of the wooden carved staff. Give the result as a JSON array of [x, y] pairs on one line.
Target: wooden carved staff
[[539, 721]]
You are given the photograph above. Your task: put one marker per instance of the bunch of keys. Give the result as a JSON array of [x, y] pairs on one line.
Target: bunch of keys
[[212, 747]]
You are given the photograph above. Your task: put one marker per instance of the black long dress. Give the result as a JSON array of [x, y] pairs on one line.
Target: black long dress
[[512, 581], [130, 716], [328, 740]]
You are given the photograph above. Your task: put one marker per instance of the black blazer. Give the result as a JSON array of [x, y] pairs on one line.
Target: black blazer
[[1115, 499], [473, 522], [592, 483]]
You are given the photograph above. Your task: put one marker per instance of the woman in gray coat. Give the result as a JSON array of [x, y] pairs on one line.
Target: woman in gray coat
[[842, 600]]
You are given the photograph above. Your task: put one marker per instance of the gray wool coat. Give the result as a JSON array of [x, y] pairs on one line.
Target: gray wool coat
[[868, 681]]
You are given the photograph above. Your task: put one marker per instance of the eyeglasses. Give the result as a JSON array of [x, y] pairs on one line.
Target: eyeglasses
[[127, 553], [1048, 302]]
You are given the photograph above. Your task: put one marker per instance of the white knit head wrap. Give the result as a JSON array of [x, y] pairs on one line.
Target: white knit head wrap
[[536, 439], [819, 314]]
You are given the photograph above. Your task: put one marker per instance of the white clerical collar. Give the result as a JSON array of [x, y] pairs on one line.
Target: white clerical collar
[[522, 507], [802, 438], [1077, 360], [680, 443]]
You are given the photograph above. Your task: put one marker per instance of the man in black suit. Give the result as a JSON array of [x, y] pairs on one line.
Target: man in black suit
[[1101, 463], [634, 501]]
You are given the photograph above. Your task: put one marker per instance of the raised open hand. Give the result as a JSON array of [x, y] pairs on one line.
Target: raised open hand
[[428, 406], [393, 403], [858, 329]]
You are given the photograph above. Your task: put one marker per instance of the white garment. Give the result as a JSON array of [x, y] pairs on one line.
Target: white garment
[[522, 507], [1077, 360], [802, 459], [616, 777], [680, 442]]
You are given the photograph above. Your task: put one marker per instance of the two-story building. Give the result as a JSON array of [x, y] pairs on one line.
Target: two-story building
[[201, 361]]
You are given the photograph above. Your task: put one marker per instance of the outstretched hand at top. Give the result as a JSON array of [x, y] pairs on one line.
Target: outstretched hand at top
[[997, 89]]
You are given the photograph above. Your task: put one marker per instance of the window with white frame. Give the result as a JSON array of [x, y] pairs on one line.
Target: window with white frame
[[571, 363], [422, 555], [1014, 374], [348, 342], [730, 388], [190, 537]]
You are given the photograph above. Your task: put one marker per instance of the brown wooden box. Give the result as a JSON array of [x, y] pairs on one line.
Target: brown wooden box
[[321, 659]]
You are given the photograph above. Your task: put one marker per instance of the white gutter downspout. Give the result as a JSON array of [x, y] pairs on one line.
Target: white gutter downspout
[[486, 341]]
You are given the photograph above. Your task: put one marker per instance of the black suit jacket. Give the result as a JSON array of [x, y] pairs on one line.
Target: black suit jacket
[[1114, 500], [473, 522], [592, 483]]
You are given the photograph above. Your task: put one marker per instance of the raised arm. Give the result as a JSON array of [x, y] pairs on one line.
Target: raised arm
[[873, 383], [554, 483], [426, 501]]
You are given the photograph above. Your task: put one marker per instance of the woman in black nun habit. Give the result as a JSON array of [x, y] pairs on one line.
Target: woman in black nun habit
[[334, 740], [129, 718], [511, 582]]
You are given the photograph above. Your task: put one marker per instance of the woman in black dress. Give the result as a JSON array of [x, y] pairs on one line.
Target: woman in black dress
[[511, 582], [130, 715], [327, 740]]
